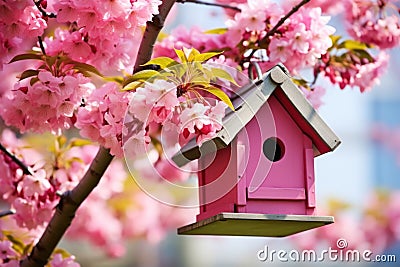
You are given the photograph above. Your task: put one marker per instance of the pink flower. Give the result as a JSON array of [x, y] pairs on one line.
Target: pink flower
[[372, 22], [59, 261], [6, 250], [279, 50], [48, 104], [36, 184], [314, 96], [101, 119]]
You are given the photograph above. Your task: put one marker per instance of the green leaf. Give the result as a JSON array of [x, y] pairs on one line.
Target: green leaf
[[335, 39], [18, 245], [143, 75], [206, 56], [28, 73], [181, 55], [83, 67], [192, 54], [26, 56], [217, 31], [33, 80], [363, 54], [132, 86], [79, 142], [353, 45], [163, 62], [220, 73], [117, 79], [220, 94]]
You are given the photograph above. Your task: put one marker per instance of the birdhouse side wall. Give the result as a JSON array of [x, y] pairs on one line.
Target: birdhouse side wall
[[217, 182]]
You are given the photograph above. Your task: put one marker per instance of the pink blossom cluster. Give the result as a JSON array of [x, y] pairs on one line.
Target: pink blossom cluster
[[314, 95], [363, 74], [101, 118], [374, 22], [20, 24], [104, 34], [194, 37], [46, 105], [159, 103], [111, 214], [327, 6], [32, 196], [299, 42]]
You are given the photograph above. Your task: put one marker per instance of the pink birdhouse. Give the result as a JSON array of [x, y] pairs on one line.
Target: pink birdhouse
[[256, 177]]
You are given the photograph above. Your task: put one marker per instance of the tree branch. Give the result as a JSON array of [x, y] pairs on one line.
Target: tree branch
[[6, 213], [71, 200], [271, 32], [20, 164], [209, 4], [153, 28], [38, 4]]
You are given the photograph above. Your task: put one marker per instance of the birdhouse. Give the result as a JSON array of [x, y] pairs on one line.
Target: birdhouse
[[256, 177]]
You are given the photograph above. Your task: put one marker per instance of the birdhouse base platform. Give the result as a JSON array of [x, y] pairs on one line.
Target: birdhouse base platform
[[247, 224]]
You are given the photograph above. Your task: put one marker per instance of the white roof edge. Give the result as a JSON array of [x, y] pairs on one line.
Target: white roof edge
[[308, 112]]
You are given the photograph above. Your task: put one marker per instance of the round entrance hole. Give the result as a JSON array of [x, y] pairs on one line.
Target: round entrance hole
[[273, 149]]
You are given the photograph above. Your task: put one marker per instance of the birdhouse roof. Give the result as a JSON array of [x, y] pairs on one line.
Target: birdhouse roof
[[249, 99]]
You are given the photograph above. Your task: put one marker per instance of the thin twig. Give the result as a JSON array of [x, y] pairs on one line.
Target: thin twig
[[209, 4], [44, 13], [40, 41], [6, 213], [20, 164], [271, 32]]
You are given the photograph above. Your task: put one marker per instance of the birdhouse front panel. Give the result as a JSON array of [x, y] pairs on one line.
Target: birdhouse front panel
[[276, 173]]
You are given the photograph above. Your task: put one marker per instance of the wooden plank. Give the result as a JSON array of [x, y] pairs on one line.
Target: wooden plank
[[249, 224], [276, 193]]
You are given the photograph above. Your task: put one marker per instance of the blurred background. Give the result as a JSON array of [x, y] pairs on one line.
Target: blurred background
[[346, 180]]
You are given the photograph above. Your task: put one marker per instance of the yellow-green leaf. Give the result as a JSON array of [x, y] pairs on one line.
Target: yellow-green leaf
[[25, 57], [335, 38], [192, 54], [117, 79], [28, 73], [206, 56], [220, 94], [163, 62], [86, 68], [353, 45], [217, 31], [220, 73], [79, 142], [132, 86], [181, 55], [143, 75]]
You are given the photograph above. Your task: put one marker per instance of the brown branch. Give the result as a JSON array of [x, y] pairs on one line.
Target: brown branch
[[71, 200], [38, 4], [209, 4], [153, 28], [6, 213], [40, 41], [271, 32], [20, 164]]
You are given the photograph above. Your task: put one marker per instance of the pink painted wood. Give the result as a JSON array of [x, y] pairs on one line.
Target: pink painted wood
[[242, 179]]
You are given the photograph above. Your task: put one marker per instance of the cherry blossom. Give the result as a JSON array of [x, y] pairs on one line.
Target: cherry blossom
[[46, 105], [374, 22], [106, 102]]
